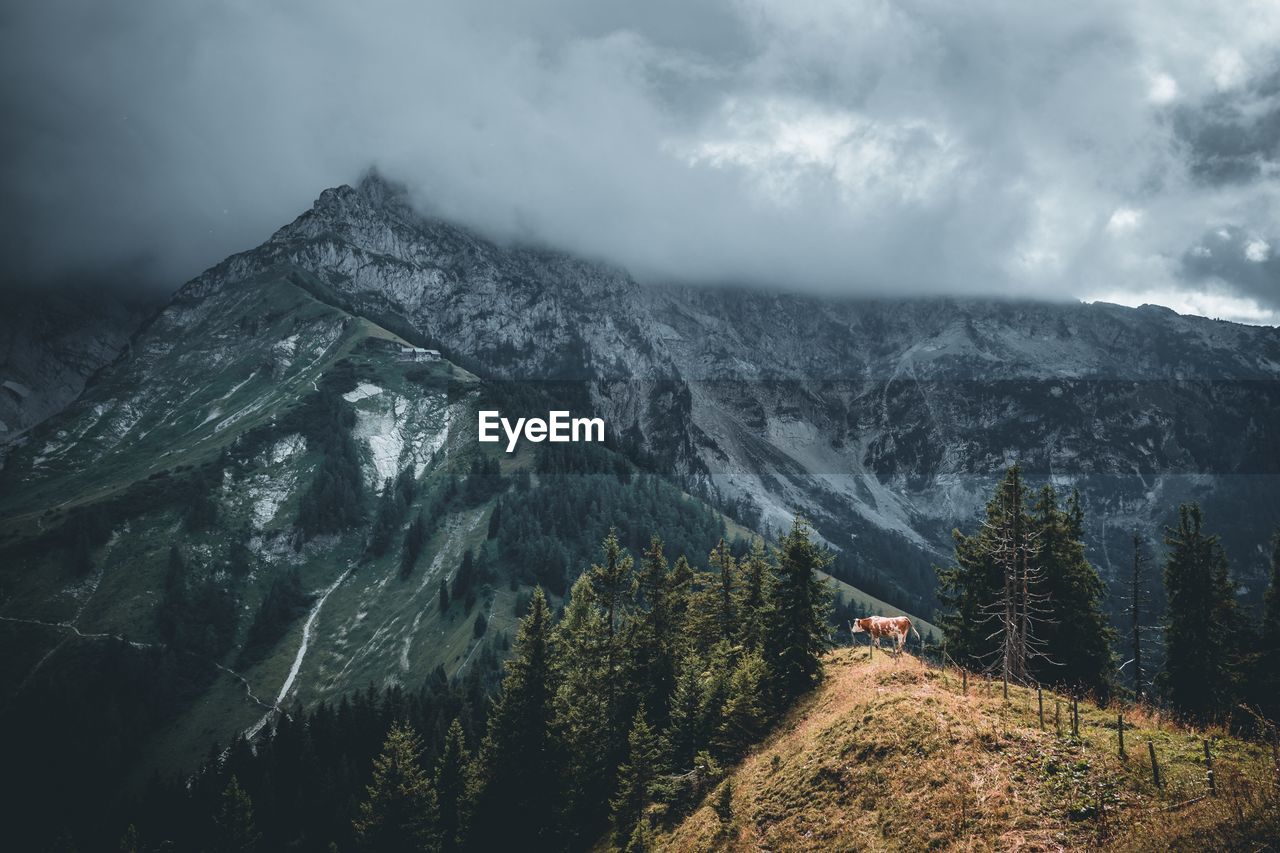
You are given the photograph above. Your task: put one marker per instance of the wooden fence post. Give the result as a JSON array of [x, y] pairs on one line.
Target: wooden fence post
[[1155, 767], [1120, 732], [1057, 715], [964, 681], [1075, 717], [1040, 704], [1208, 769]]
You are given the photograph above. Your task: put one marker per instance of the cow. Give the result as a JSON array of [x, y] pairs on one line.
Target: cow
[[893, 627]]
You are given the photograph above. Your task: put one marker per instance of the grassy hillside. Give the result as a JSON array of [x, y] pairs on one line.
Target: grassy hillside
[[892, 755]]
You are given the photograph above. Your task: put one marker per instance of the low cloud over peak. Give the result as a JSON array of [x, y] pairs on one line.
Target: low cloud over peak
[[864, 147]]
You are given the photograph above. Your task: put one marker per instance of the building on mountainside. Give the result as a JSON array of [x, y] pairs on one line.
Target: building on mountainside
[[418, 354]]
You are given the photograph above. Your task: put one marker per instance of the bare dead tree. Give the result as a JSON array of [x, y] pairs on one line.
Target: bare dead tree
[[1136, 608], [1021, 607]]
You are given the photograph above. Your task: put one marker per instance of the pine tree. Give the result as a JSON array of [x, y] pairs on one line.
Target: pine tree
[[969, 586], [611, 581], [399, 812], [233, 829], [757, 579], [406, 486], [587, 704], [725, 596], [594, 674], [391, 509], [451, 791], [655, 638], [745, 714], [1199, 654], [641, 840], [1075, 634], [415, 539], [635, 779], [716, 683], [797, 631], [464, 578], [681, 589], [723, 805], [517, 786], [335, 499], [129, 841], [687, 732], [1265, 681], [284, 602]]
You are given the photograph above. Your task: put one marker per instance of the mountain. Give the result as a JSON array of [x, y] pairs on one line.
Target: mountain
[[870, 761], [259, 505], [257, 502], [884, 421], [169, 493]]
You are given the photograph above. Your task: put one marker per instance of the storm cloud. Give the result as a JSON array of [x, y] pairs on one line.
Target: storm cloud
[[984, 148]]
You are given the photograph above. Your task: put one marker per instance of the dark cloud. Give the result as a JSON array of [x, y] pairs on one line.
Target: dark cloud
[[907, 147], [1245, 261], [1234, 137]]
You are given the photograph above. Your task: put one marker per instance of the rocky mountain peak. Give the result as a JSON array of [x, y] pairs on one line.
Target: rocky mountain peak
[[881, 419]]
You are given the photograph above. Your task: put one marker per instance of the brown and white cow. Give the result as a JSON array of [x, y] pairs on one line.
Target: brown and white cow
[[893, 627]]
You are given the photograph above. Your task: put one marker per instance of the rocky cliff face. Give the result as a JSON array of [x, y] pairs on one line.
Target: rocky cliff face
[[885, 421], [51, 343]]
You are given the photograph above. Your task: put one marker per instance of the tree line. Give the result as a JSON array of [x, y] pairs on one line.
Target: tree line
[[1219, 664], [1022, 600], [614, 715]]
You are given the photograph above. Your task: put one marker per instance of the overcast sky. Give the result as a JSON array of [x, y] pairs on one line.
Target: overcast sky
[[1127, 151]]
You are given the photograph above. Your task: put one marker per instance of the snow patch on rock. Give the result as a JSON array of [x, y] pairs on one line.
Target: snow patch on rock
[[363, 390], [381, 430], [286, 447]]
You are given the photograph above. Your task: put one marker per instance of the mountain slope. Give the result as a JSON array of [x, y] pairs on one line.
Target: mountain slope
[[175, 485], [891, 755], [171, 528], [883, 421]]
